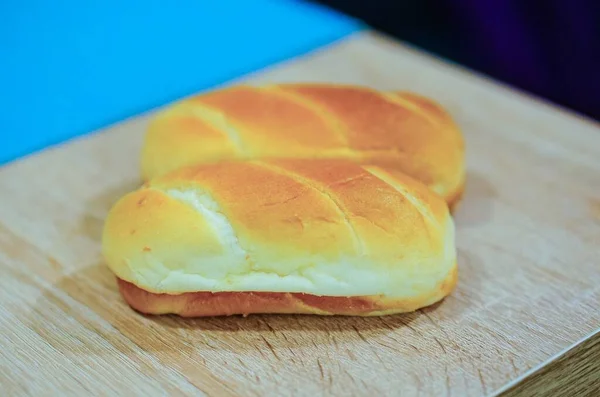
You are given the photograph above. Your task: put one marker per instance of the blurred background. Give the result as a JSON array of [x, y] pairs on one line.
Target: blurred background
[[550, 48], [71, 67]]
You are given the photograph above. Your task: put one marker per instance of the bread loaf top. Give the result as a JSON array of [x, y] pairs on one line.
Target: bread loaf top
[[399, 130], [324, 227]]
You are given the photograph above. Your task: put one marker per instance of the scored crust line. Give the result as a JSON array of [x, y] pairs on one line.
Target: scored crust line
[[389, 180], [219, 121], [397, 99], [315, 185], [297, 97], [203, 203]]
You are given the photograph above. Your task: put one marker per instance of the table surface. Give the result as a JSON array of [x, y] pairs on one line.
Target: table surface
[[528, 232]]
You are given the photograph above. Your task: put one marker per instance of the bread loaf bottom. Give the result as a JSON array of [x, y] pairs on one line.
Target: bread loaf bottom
[[205, 304]]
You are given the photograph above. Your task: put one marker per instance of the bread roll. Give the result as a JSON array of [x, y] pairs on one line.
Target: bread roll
[[398, 130], [281, 236]]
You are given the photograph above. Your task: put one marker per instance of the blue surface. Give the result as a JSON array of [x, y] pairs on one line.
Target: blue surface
[[69, 67]]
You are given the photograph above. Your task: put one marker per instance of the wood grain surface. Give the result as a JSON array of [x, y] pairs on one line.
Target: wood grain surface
[[574, 373], [528, 239]]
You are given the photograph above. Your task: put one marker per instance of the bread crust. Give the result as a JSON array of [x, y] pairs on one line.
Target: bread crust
[[207, 304], [455, 199], [281, 235], [400, 130]]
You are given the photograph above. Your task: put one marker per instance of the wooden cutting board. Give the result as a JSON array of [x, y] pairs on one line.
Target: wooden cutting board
[[529, 256]]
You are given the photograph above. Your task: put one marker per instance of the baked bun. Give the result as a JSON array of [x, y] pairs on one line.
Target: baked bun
[[281, 236], [396, 130]]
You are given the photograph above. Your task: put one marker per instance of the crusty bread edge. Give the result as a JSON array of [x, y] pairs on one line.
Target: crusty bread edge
[[208, 304], [455, 198]]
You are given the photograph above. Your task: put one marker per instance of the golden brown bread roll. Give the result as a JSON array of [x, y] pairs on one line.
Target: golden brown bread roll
[[397, 130], [281, 236]]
